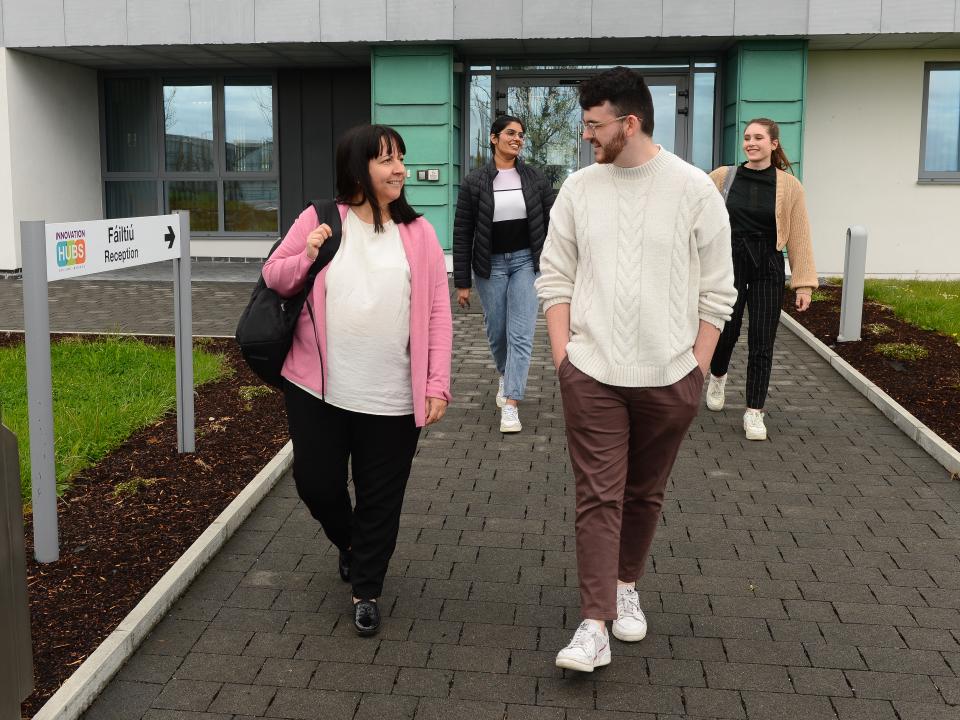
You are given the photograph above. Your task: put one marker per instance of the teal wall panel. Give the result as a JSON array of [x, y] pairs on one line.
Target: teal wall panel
[[415, 90], [765, 79]]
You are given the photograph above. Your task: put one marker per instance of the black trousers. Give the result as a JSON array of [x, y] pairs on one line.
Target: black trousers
[[380, 449], [759, 277]]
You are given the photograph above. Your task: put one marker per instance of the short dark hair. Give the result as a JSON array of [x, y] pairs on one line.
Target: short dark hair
[[626, 91], [500, 124], [358, 146]]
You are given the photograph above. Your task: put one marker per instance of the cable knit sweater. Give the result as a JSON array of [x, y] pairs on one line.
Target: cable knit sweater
[[793, 226], [641, 255]]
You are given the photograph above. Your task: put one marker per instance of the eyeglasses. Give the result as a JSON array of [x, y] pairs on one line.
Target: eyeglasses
[[520, 135], [590, 126]]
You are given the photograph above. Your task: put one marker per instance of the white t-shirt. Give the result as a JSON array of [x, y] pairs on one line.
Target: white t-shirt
[[368, 321]]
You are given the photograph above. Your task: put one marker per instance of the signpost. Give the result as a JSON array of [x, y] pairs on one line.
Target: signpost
[[74, 249]]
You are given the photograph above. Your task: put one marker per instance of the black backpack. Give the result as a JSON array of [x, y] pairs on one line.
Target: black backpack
[[266, 327]]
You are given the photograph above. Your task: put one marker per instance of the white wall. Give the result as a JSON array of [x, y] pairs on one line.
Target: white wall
[[54, 146], [9, 248], [861, 154]]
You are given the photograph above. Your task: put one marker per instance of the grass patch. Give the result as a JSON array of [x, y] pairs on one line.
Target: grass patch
[[878, 329], [249, 393], [819, 296], [902, 351], [928, 304], [132, 487], [103, 390]]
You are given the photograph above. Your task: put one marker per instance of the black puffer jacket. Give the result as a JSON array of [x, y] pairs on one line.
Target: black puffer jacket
[[473, 224]]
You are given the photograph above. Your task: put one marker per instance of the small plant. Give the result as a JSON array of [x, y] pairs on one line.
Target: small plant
[[249, 393], [902, 351], [819, 296], [879, 329], [132, 487]]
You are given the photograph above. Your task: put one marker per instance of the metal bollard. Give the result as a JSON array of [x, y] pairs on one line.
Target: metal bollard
[[854, 270], [16, 651]]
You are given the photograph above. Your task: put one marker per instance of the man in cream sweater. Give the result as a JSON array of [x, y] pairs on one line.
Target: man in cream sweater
[[636, 284]]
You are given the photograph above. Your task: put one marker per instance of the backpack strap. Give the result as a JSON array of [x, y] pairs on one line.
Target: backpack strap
[[327, 212], [727, 181]]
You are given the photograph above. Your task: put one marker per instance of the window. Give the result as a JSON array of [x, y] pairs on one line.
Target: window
[[940, 140], [198, 143]]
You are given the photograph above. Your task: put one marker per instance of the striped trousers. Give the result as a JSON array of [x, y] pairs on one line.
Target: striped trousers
[[759, 277]]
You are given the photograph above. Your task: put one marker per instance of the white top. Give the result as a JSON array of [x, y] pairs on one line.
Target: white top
[[368, 321], [641, 255], [508, 202]]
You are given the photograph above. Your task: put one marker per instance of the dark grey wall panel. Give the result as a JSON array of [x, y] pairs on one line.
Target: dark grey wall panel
[[316, 107]]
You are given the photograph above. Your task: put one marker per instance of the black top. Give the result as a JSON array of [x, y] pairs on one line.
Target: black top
[[752, 203], [510, 227]]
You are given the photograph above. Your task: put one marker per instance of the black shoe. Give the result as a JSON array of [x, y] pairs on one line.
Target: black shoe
[[366, 617], [343, 564]]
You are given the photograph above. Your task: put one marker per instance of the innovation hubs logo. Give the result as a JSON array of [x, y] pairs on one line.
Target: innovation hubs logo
[[71, 248]]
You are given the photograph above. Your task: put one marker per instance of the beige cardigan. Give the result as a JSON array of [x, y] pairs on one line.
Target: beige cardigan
[[793, 227]]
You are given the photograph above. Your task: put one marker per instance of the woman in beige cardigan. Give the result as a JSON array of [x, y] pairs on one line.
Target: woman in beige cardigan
[[767, 214]]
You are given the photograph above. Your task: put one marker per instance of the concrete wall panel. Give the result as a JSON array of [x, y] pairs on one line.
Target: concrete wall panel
[[779, 17], [900, 16], [54, 153], [620, 18], [482, 20], [829, 17], [419, 20], [153, 23], [698, 17], [911, 226], [287, 21], [221, 21], [95, 22], [33, 23], [364, 20], [547, 19]]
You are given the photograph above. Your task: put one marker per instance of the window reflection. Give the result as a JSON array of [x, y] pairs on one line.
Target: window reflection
[[701, 153], [200, 198], [130, 198], [664, 115], [942, 148], [188, 124], [551, 116], [480, 121], [248, 112], [250, 206]]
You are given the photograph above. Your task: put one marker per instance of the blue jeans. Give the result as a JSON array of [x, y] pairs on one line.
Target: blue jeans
[[510, 313]]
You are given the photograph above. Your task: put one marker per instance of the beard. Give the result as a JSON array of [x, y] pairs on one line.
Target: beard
[[610, 150]]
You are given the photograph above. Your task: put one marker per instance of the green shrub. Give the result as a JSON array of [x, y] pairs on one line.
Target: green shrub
[[902, 351]]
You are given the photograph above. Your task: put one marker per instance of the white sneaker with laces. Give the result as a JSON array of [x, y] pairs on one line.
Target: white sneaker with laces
[[715, 395], [510, 419], [589, 649], [501, 400], [631, 623], [753, 425]]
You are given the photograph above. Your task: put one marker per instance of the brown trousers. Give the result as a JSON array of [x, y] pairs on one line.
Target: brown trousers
[[623, 442]]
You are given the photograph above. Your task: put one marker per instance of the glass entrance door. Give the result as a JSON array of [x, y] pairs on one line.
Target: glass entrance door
[[551, 113]]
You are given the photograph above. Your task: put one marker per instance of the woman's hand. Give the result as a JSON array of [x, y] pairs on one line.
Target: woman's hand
[[436, 409], [803, 300], [316, 239], [463, 297]]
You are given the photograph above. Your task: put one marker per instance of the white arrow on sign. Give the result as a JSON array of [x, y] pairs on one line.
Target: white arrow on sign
[[83, 248]]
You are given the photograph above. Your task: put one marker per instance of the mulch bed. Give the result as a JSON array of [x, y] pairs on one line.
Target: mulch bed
[[927, 388], [113, 549]]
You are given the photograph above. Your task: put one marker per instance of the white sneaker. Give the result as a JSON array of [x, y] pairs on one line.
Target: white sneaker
[[589, 649], [510, 419], [753, 425], [631, 624], [500, 398], [715, 396]]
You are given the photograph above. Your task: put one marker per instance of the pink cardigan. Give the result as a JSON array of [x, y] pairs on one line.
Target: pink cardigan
[[431, 325]]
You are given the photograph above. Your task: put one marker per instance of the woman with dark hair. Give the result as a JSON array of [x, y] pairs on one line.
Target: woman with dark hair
[[768, 213], [501, 222], [370, 361]]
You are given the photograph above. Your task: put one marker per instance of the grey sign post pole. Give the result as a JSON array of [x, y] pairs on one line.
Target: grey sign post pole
[[16, 653], [854, 270], [36, 324], [183, 333]]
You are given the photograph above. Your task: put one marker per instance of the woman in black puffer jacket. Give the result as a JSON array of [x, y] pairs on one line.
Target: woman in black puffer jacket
[[498, 233]]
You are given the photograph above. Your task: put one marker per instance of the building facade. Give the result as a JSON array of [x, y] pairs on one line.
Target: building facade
[[232, 108]]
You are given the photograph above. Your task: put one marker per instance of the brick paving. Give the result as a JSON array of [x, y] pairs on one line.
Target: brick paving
[[816, 575]]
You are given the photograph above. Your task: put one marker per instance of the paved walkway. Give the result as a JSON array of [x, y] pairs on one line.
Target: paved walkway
[[816, 575]]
